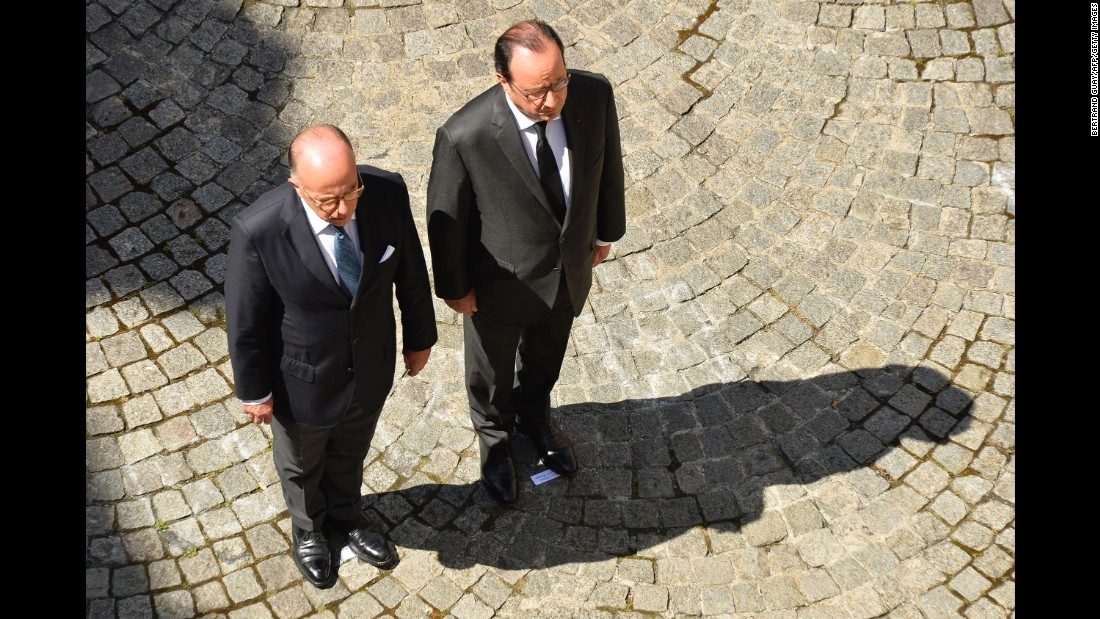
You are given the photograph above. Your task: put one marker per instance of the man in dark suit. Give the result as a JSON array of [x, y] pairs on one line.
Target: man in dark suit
[[524, 198], [312, 335]]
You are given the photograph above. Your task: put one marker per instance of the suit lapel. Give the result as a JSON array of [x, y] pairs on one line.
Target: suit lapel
[[300, 237], [574, 138], [509, 140], [369, 243]]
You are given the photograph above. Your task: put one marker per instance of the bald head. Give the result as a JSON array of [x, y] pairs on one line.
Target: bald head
[[322, 170], [321, 145]]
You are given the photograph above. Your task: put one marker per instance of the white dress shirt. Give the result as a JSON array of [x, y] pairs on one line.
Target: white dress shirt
[[325, 235], [555, 135]]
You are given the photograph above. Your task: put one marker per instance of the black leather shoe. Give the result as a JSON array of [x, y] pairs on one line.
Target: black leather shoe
[[553, 446], [499, 474], [372, 547], [313, 558]]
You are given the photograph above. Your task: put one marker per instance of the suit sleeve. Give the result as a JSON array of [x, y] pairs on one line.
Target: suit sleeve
[[611, 208], [414, 293], [450, 199], [248, 300]]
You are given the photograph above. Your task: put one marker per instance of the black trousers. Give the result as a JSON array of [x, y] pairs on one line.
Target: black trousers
[[511, 368], [321, 469]]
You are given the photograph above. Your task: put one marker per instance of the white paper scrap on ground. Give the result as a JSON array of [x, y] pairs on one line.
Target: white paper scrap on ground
[[346, 554], [544, 476]]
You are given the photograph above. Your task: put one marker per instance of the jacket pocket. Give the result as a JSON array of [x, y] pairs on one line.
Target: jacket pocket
[[297, 369]]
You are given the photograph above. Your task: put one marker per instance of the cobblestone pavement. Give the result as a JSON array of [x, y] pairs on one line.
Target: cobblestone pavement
[[792, 390]]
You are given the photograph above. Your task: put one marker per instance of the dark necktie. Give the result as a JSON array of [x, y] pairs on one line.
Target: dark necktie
[[347, 263], [548, 172]]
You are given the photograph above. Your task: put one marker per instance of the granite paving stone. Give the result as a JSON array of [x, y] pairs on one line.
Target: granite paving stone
[[108, 551], [106, 386], [142, 477], [143, 545], [134, 607], [103, 420], [129, 580], [104, 486], [801, 212], [96, 582], [143, 376], [170, 505], [232, 554], [134, 514]]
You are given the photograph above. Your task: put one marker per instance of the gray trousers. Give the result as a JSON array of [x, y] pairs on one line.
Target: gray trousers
[[321, 469], [511, 368]]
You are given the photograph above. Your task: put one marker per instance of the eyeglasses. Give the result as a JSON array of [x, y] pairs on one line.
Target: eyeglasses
[[330, 204], [540, 94]]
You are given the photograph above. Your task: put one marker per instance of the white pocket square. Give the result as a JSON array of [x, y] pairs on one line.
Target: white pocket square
[[387, 254]]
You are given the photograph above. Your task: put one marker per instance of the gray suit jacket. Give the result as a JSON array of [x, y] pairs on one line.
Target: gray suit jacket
[[291, 331], [491, 226]]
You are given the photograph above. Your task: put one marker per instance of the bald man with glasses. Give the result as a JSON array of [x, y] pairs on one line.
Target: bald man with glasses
[[313, 268], [525, 197]]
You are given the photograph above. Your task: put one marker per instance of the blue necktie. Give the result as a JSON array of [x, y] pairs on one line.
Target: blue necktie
[[347, 262]]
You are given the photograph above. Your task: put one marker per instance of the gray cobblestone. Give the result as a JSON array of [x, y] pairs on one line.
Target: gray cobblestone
[[190, 284], [745, 278], [175, 433], [199, 567], [242, 585], [143, 376], [106, 386], [103, 420], [143, 545], [259, 506], [163, 574], [181, 360], [142, 477], [209, 597], [232, 554], [125, 279], [202, 494], [129, 580], [161, 298], [169, 505]]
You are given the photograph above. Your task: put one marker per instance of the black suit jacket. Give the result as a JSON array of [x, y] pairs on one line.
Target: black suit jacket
[[490, 224], [291, 331]]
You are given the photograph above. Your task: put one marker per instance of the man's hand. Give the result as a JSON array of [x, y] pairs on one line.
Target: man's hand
[[415, 360], [466, 306], [262, 412], [601, 253]]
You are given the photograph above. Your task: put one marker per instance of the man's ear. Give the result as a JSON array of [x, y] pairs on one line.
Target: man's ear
[[501, 79]]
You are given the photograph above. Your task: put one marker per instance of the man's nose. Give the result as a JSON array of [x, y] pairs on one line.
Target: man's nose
[[343, 209], [554, 99]]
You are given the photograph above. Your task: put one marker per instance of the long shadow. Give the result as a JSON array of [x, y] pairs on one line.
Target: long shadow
[[653, 468]]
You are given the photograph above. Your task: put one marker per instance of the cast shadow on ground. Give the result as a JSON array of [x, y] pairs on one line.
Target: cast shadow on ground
[[653, 468]]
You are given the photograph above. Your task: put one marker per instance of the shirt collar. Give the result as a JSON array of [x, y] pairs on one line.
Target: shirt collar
[[317, 224], [523, 121]]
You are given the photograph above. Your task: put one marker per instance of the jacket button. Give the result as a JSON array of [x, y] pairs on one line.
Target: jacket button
[[354, 340], [351, 370]]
